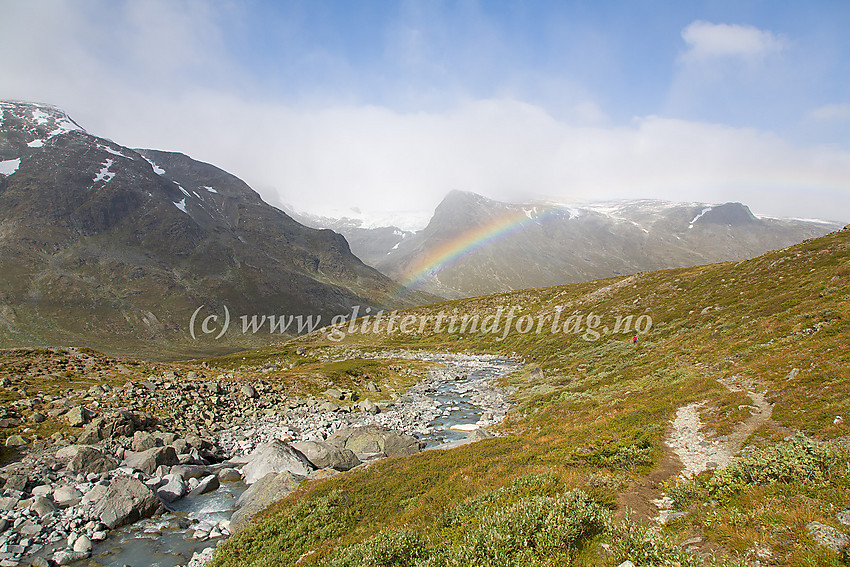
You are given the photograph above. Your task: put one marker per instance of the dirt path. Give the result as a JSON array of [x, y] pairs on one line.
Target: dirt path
[[688, 452]]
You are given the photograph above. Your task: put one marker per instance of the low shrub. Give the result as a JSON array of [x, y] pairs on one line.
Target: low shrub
[[795, 461], [647, 547], [525, 524]]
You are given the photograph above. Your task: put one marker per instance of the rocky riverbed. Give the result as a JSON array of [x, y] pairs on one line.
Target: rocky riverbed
[[68, 497]]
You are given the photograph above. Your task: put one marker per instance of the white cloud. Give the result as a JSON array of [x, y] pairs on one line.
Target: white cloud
[[706, 40], [831, 113], [137, 83], [378, 159]]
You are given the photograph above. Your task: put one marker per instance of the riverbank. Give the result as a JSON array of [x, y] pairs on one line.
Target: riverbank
[[60, 500]]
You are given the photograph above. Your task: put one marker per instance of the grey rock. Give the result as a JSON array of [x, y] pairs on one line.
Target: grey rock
[[372, 441], [42, 506], [83, 545], [42, 490], [248, 391], [229, 475], [66, 557], [372, 387], [828, 536], [148, 461], [207, 484], [142, 441], [84, 459], [843, 517], [479, 434], [368, 406], [127, 500], [334, 394], [16, 441], [16, 482], [173, 489], [274, 457], [65, 496], [97, 492], [260, 495], [91, 434], [29, 529], [78, 416], [190, 471], [324, 455]]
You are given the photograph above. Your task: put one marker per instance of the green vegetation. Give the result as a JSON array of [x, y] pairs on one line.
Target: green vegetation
[[593, 420]]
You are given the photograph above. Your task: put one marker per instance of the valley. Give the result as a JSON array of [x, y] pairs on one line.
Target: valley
[[726, 413]]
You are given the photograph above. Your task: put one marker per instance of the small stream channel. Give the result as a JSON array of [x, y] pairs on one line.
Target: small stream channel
[[456, 394]]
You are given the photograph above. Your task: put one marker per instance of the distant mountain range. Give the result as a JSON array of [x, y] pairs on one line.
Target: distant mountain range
[[115, 248], [475, 246]]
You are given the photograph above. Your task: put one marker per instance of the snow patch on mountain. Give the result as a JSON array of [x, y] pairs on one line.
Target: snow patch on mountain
[[9, 166], [210, 189], [112, 151], [181, 204], [40, 116], [156, 169], [699, 216], [105, 175], [36, 143]]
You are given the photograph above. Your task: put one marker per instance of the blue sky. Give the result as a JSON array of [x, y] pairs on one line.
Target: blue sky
[[390, 104]]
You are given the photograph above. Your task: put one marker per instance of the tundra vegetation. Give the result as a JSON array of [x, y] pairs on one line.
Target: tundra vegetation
[[571, 477]]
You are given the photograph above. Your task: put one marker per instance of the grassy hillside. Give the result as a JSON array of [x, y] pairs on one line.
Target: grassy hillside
[[586, 437]]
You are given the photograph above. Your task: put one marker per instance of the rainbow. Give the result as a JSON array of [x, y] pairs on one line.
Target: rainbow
[[468, 242]]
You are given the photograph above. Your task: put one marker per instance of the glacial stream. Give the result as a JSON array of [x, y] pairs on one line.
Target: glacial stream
[[458, 399]]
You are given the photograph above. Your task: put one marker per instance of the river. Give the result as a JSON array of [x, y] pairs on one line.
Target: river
[[455, 398]]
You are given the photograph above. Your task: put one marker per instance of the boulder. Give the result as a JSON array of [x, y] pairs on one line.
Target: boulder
[[334, 394], [324, 455], [148, 461], [78, 416], [260, 495], [65, 557], [479, 434], [125, 501], [86, 460], [82, 544], [249, 391], [142, 441], [229, 475], [274, 457], [190, 471], [207, 484], [173, 489], [16, 441], [42, 506], [372, 441], [368, 406], [828, 536], [65, 496], [91, 433]]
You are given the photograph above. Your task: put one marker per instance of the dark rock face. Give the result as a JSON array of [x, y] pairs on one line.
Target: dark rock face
[[729, 214], [113, 246]]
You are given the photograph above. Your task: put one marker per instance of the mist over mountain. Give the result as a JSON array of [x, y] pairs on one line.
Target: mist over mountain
[[114, 247], [474, 245]]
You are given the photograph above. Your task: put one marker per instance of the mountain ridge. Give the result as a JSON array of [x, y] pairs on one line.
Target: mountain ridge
[[503, 246], [113, 248]]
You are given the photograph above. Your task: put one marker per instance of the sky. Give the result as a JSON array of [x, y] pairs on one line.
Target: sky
[[387, 105]]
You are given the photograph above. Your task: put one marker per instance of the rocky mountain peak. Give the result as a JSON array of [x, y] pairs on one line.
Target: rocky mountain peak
[[729, 214]]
